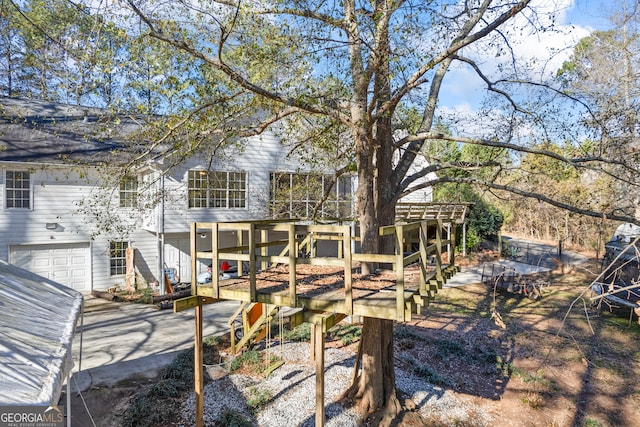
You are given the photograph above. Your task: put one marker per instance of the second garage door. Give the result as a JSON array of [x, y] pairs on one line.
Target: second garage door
[[66, 263]]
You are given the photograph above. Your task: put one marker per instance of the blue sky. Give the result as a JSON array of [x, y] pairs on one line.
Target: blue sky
[[590, 13], [543, 53]]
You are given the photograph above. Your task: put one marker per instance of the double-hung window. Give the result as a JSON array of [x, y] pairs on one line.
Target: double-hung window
[[217, 189], [118, 257], [17, 194], [129, 192]]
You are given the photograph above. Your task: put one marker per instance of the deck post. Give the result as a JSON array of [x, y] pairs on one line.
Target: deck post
[[319, 355], [464, 238], [439, 275], [312, 344], [452, 254], [239, 243], [199, 367], [264, 236], [399, 273], [312, 246], [253, 293], [422, 239], [449, 244], [215, 260], [348, 293], [194, 259], [292, 264]]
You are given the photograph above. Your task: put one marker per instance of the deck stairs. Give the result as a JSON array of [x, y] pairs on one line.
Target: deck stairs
[[256, 318]]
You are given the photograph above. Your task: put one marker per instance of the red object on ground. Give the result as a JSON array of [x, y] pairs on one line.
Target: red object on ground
[[225, 266]]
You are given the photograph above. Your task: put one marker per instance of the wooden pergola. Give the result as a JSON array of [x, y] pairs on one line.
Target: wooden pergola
[[454, 212], [315, 268]]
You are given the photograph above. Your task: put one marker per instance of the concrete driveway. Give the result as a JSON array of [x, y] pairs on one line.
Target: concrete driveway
[[532, 257], [474, 273], [541, 254], [118, 340]]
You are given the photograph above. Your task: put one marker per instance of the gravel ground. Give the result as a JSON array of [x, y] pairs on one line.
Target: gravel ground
[[290, 391]]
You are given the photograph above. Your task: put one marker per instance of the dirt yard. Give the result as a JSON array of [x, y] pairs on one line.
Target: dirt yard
[[557, 362]]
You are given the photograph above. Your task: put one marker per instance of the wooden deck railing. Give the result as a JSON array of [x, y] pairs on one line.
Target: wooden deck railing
[[261, 244]]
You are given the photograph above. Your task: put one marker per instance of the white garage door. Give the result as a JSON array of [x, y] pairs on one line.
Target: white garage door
[[67, 263]]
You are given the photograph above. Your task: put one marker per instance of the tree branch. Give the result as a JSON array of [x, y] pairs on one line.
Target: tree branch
[[490, 85], [531, 195], [575, 161], [234, 75], [463, 39]]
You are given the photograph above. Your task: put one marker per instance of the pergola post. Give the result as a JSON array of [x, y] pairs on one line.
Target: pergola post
[[464, 238], [318, 349]]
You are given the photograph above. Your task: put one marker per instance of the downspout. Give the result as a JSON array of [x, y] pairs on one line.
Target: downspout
[[160, 235]]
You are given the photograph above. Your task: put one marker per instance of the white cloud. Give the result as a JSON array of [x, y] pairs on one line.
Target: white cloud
[[538, 54], [547, 49]]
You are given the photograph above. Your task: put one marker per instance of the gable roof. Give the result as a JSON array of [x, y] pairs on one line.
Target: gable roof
[[45, 132]]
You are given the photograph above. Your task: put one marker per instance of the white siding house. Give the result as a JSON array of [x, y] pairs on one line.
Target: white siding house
[[242, 191], [58, 220], [60, 217], [42, 186]]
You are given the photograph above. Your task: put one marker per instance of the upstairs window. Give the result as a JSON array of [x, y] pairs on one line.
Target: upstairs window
[[217, 189], [17, 190], [128, 192], [305, 196], [118, 258]]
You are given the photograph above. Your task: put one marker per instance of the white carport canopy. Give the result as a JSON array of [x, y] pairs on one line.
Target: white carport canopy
[[37, 322]]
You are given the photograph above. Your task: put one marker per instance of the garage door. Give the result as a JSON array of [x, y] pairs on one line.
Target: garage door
[[68, 264]]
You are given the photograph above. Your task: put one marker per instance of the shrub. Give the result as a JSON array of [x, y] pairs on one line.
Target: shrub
[[299, 333], [258, 399], [345, 333], [233, 418]]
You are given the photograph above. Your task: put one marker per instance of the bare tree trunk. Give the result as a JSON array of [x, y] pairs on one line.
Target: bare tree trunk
[[373, 390], [366, 202], [376, 396]]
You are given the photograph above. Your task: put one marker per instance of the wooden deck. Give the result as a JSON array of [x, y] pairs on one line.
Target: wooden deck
[[322, 289], [282, 268], [316, 268]]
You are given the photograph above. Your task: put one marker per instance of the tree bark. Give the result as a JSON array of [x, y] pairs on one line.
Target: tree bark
[[374, 389]]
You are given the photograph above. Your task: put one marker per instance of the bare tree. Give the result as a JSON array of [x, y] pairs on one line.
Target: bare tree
[[359, 66], [360, 62]]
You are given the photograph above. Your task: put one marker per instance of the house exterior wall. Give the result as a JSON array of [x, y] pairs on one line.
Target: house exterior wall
[[70, 211], [87, 217], [53, 190], [423, 195], [53, 223], [258, 157]]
